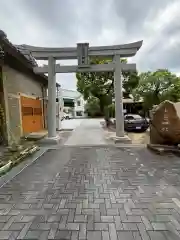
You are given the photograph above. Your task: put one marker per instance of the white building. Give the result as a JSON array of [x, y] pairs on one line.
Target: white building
[[79, 107], [73, 103]]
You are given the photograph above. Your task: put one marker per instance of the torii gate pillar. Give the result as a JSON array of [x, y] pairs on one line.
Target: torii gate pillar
[[118, 97], [119, 115], [51, 98]]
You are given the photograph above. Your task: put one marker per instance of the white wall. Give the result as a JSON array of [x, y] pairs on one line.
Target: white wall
[[76, 96], [80, 108]]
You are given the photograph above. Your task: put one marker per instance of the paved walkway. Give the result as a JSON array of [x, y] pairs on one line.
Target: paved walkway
[[71, 123], [89, 132], [99, 193]]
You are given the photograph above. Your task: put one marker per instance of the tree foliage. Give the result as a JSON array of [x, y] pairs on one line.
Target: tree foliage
[[131, 81], [92, 107], [155, 87], [100, 85], [96, 84], [151, 87]]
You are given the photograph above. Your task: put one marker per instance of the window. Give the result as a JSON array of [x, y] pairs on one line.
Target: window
[[79, 103], [38, 111], [79, 114], [129, 117], [133, 117], [27, 111]]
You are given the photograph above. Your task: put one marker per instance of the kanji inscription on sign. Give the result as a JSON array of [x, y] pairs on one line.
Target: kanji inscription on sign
[[82, 54]]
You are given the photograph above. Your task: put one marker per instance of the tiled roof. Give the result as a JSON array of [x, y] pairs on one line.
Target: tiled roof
[[23, 57], [27, 54]]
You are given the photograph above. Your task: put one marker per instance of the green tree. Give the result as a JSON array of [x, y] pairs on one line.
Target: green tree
[[100, 85], [131, 81], [155, 87], [111, 108], [92, 107]]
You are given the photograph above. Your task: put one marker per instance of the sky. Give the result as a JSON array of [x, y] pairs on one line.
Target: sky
[[64, 23]]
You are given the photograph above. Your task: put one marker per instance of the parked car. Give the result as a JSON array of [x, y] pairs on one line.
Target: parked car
[[134, 122]]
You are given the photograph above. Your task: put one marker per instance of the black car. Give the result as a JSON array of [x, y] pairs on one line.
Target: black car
[[134, 122]]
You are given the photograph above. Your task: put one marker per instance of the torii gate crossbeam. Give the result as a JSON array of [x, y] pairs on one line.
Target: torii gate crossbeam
[[83, 53], [94, 68]]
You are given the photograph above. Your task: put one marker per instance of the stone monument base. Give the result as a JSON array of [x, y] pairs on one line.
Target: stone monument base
[[50, 140], [163, 149]]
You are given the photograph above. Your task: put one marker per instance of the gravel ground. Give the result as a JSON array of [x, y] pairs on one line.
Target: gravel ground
[[139, 138]]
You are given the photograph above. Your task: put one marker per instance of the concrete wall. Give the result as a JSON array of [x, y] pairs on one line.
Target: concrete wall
[[16, 84]]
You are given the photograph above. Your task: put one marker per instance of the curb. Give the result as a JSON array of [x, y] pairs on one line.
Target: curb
[[18, 168], [5, 167], [26, 152]]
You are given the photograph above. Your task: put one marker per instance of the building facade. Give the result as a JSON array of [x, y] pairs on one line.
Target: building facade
[[23, 94], [79, 107], [24, 105], [74, 104]]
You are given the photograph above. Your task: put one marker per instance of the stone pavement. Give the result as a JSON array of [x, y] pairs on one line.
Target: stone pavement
[[89, 132], [71, 123], [94, 192]]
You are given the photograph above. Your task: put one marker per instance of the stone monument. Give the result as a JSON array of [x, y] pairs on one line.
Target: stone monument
[[165, 124]]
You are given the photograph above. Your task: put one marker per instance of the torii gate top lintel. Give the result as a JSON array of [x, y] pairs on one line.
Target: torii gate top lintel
[[124, 50]]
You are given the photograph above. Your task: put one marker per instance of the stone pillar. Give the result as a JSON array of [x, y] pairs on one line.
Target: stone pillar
[[118, 97], [119, 115], [51, 98]]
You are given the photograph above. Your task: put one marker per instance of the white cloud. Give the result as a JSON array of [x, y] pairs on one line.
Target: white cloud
[[103, 22]]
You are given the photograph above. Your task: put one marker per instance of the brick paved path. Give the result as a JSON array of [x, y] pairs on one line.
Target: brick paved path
[[93, 193]]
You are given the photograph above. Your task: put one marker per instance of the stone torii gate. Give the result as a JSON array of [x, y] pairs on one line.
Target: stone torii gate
[[83, 53]]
